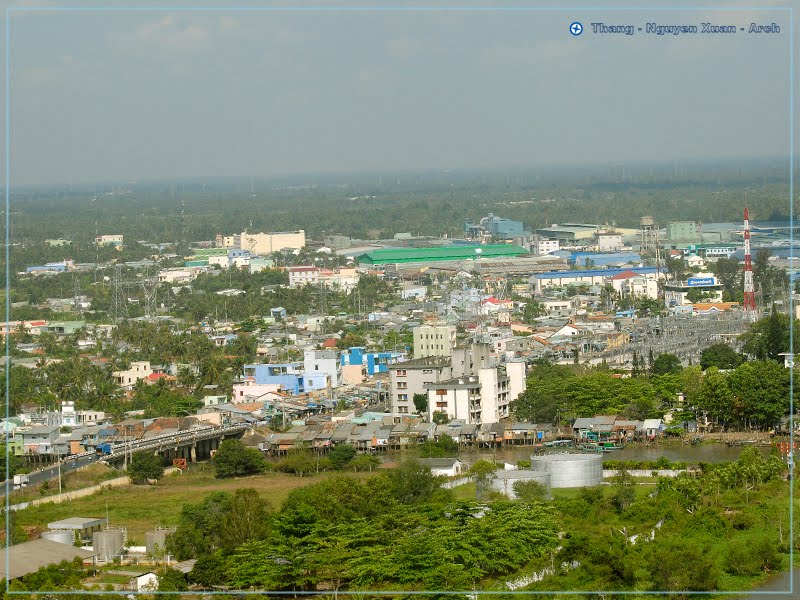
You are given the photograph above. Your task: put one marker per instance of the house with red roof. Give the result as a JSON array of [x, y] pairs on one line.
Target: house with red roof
[[635, 285]]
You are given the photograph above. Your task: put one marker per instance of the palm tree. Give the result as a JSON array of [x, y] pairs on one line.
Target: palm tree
[[212, 370]]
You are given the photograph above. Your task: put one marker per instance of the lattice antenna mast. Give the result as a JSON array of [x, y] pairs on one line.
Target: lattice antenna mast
[[749, 304]]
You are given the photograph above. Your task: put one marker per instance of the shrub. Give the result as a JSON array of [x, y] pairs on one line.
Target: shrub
[[742, 521]]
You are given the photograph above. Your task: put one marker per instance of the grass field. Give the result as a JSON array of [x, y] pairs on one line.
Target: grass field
[[141, 508], [82, 478]]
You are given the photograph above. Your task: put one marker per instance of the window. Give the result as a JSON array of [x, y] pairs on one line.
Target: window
[[402, 385], [402, 409], [402, 396], [401, 372]]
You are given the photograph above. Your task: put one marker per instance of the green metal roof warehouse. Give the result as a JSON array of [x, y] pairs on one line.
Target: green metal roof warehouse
[[438, 254]]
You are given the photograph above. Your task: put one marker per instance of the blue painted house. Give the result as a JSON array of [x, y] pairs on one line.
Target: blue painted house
[[375, 362], [292, 377], [288, 375]]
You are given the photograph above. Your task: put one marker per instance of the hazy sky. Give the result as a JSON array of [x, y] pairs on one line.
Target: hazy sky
[[146, 95]]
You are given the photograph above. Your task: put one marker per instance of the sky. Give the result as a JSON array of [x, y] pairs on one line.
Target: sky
[[145, 95]]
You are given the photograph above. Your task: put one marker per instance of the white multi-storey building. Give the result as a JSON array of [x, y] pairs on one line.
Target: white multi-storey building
[[541, 246], [434, 340], [300, 276], [481, 398]]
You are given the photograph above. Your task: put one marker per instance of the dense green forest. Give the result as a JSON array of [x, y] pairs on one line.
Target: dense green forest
[[378, 206]]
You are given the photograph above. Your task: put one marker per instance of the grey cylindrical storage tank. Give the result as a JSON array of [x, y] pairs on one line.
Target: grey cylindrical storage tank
[[570, 470], [62, 536], [504, 480], [107, 544], [156, 541]]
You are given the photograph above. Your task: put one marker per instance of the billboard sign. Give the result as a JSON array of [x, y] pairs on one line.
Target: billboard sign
[[701, 281]]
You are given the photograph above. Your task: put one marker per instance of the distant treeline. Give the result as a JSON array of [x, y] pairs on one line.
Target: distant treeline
[[378, 206]]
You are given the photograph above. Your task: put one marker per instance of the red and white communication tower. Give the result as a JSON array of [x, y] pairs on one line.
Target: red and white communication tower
[[749, 304]]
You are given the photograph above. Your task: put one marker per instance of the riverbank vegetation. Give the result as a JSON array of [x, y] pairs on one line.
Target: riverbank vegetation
[[754, 395], [723, 528]]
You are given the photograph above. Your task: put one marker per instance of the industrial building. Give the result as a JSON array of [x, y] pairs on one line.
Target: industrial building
[[609, 241], [494, 227], [542, 281], [602, 259], [385, 256], [28, 557], [264, 243], [570, 234], [683, 231]]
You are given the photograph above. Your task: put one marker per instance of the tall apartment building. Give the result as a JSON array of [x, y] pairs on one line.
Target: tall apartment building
[[434, 340], [411, 377], [481, 398], [420, 375]]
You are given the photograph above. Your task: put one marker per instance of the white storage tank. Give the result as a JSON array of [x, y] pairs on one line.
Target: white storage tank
[[570, 470], [62, 536], [108, 544], [505, 480]]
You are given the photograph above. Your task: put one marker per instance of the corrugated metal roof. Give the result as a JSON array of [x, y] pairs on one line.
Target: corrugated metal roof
[[28, 557], [403, 255], [594, 273]]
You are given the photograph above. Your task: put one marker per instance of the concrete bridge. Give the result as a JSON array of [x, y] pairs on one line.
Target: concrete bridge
[[192, 444]]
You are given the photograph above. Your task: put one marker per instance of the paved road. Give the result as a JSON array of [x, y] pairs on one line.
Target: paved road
[[154, 443], [51, 473]]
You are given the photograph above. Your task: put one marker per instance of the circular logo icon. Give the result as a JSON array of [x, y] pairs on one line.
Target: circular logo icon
[[576, 28]]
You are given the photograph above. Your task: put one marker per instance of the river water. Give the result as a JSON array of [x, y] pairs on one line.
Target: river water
[[675, 451], [779, 583]]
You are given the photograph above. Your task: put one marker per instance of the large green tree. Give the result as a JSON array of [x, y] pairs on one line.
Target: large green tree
[[234, 459], [721, 356], [145, 466]]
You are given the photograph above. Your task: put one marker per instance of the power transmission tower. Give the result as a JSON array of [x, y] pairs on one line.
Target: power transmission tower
[[150, 293], [76, 293], [119, 303]]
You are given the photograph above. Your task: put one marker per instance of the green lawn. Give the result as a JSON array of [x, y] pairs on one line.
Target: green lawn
[[141, 508]]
